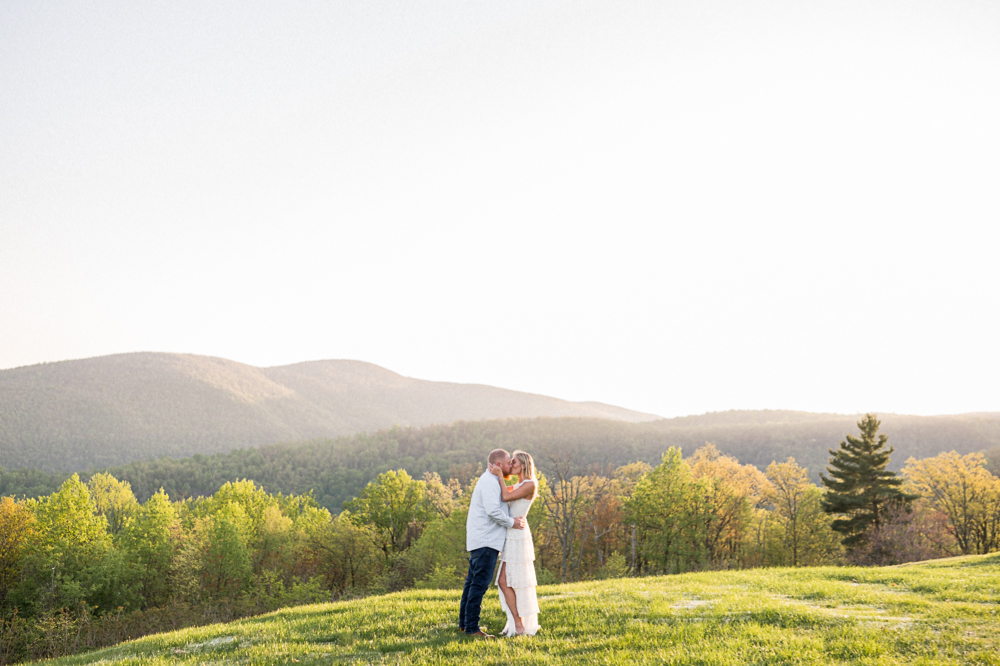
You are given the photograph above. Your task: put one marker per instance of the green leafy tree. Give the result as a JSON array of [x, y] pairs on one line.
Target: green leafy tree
[[214, 560], [439, 556], [149, 540], [307, 524], [394, 505], [659, 508], [277, 545], [72, 558], [441, 497], [787, 493], [860, 488], [349, 561], [225, 565], [817, 543], [820, 543], [112, 499], [251, 498]]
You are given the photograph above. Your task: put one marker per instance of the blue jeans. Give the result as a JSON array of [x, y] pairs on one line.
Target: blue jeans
[[482, 562]]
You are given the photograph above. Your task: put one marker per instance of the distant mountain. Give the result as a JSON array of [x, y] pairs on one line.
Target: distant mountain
[[111, 410]]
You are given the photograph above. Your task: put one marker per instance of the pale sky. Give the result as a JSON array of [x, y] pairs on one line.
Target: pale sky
[[675, 207]]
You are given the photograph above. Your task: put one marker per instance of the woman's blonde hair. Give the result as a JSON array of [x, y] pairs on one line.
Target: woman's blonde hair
[[527, 468]]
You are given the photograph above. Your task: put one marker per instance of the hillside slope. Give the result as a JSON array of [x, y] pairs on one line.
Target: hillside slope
[[941, 612], [114, 409], [337, 469], [758, 437]]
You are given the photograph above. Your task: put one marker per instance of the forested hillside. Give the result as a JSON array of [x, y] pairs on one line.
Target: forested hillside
[[335, 470], [112, 410], [758, 437]]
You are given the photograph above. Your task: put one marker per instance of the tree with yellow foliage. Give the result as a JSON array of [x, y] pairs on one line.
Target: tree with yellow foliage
[[725, 497], [963, 489], [789, 488], [17, 525], [802, 525]]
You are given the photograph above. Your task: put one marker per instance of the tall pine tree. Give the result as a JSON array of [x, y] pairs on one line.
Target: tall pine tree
[[861, 489]]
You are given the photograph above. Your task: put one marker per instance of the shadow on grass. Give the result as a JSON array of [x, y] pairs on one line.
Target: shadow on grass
[[958, 562], [992, 560], [435, 638]]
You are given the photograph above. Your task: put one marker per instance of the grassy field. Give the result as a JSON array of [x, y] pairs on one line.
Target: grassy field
[[943, 612]]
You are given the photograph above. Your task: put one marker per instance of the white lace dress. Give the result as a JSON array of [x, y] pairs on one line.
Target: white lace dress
[[519, 555]]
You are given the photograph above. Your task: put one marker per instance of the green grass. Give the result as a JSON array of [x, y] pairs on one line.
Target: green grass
[[943, 612]]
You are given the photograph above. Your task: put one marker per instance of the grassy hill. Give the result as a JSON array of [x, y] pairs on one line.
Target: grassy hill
[[941, 612], [111, 410], [336, 469]]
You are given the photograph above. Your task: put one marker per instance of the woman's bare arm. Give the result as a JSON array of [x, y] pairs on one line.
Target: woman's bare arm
[[526, 489]]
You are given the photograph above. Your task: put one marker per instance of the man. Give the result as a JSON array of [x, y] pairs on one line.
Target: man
[[485, 533]]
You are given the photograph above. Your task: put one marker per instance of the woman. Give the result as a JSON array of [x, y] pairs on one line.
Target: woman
[[516, 577]]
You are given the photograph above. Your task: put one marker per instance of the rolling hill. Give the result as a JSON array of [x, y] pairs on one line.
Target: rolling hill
[[938, 612], [112, 410]]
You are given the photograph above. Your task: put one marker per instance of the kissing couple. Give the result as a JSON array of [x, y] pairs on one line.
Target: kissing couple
[[497, 529]]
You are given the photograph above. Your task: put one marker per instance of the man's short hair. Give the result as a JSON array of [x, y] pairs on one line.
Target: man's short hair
[[497, 455]]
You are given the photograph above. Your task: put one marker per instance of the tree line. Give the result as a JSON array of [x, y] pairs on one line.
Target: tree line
[[91, 564], [335, 470]]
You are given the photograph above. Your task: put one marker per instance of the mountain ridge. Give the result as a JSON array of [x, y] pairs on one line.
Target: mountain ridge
[[109, 410]]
